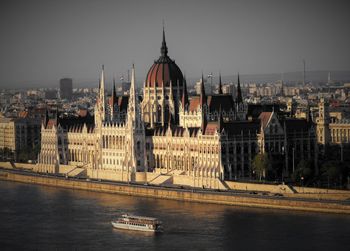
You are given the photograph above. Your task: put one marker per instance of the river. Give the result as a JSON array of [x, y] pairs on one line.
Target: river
[[34, 217]]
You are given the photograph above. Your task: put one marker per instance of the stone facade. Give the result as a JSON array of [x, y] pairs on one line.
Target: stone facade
[[335, 131]]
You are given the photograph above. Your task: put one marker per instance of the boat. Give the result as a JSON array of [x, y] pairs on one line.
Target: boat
[[139, 223]]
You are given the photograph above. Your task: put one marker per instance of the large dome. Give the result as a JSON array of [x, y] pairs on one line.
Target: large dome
[[164, 70]]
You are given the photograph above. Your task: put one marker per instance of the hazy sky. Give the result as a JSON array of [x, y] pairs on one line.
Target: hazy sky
[[44, 40]]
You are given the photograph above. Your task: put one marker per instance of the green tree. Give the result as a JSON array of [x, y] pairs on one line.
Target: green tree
[[261, 164], [333, 170], [303, 171]]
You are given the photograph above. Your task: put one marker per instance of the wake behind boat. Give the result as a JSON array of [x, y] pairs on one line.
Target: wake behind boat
[[139, 223]]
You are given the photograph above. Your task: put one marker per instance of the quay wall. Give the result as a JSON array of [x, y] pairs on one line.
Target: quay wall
[[178, 179], [178, 194]]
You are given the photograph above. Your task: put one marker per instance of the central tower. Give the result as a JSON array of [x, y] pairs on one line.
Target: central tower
[[162, 90]]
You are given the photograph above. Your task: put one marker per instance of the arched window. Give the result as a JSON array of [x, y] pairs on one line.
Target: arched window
[[138, 145]]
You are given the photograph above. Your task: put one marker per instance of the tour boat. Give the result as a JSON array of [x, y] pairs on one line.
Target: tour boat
[[140, 223]]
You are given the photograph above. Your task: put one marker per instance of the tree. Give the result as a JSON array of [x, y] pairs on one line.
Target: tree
[[261, 164], [333, 170], [303, 170]]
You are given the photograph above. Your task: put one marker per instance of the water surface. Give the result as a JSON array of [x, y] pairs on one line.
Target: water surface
[[34, 217]]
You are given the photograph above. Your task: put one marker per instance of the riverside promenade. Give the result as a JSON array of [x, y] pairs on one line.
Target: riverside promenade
[[230, 197]]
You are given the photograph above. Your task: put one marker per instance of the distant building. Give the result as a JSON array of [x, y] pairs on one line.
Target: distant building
[[18, 134], [66, 88], [50, 94], [125, 87], [336, 131], [228, 89]]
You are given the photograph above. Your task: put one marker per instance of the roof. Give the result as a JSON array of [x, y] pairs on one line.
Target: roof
[[211, 128], [226, 102], [214, 102], [293, 124], [82, 112], [194, 103], [176, 131], [237, 127], [264, 118], [254, 110], [164, 70], [23, 114], [74, 124]]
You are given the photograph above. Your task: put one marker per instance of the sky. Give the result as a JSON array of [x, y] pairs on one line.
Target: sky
[[45, 40]]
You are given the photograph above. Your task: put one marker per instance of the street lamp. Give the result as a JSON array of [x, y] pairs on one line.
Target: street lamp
[[293, 161], [301, 180]]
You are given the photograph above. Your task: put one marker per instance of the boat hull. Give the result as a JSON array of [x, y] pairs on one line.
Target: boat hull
[[132, 227]]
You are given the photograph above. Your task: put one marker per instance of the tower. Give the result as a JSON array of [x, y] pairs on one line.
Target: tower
[[100, 107], [241, 109], [282, 85], [184, 99], [304, 72], [220, 85], [113, 103], [322, 123], [163, 90], [135, 132], [203, 105], [239, 98], [66, 88]]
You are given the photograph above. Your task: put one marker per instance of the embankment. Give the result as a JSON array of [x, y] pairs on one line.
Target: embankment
[[203, 196]]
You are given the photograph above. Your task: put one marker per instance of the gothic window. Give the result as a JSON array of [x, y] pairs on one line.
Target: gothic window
[[138, 145], [159, 113]]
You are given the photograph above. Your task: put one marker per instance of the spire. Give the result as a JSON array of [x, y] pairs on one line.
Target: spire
[[102, 94], [169, 118], [114, 94], [239, 92], [164, 48], [282, 87], [46, 120], [202, 94], [184, 100], [57, 116], [220, 120], [132, 100], [220, 84], [132, 84]]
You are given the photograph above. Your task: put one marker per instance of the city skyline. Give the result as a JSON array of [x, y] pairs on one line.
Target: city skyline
[[46, 41]]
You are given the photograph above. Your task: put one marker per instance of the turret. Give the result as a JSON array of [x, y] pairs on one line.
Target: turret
[[239, 98], [164, 48], [184, 99], [220, 85], [203, 98]]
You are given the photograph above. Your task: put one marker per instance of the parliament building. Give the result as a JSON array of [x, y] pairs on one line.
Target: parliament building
[[164, 135]]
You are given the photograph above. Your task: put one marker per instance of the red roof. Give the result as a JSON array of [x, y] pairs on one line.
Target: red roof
[[162, 71], [264, 118], [211, 128], [82, 113], [23, 114], [194, 103]]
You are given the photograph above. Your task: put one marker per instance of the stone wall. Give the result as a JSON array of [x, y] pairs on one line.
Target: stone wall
[[180, 194], [156, 178]]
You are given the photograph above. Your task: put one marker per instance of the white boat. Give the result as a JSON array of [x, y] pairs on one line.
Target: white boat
[[140, 223]]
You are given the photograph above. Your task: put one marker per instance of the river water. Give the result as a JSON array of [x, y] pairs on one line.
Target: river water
[[34, 217]]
